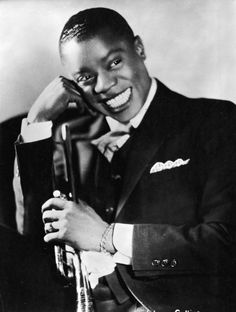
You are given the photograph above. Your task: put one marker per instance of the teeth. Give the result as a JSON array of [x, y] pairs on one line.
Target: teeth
[[119, 99]]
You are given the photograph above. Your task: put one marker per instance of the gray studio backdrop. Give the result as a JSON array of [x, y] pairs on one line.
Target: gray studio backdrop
[[190, 45]]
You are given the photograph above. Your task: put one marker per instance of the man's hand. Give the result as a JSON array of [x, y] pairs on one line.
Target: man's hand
[[77, 225], [54, 100]]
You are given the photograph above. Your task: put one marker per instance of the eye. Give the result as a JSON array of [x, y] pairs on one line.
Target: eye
[[115, 63], [84, 78]]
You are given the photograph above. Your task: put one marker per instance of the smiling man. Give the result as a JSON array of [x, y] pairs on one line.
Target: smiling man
[[156, 221], [110, 72]]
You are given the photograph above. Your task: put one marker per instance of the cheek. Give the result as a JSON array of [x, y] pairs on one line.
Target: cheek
[[128, 73], [137, 76], [137, 68]]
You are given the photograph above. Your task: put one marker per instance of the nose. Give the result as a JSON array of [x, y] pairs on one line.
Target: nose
[[104, 82]]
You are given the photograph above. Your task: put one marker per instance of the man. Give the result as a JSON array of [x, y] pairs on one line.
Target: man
[[157, 206]]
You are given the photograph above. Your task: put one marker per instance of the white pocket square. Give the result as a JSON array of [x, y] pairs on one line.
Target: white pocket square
[[160, 166]]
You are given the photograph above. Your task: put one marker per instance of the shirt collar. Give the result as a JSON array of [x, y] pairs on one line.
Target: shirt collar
[[136, 120]]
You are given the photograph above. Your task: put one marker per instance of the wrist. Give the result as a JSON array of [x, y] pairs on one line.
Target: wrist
[[106, 243]]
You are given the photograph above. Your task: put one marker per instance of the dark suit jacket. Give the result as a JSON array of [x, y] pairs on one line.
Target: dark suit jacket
[[27, 281], [184, 217]]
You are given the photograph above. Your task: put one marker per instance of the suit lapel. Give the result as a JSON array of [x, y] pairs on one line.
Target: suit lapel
[[158, 123]]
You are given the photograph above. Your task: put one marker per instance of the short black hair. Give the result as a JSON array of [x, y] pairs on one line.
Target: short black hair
[[88, 23]]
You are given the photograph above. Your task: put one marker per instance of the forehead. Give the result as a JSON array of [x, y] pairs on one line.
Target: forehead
[[89, 52]]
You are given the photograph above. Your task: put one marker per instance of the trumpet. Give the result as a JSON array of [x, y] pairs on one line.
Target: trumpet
[[68, 261]]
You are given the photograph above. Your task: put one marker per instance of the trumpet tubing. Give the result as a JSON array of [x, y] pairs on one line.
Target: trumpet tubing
[[67, 259], [69, 265]]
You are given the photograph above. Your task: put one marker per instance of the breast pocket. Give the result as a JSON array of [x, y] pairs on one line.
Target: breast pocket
[[170, 175]]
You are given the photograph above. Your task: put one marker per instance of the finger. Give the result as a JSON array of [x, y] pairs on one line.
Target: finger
[[71, 85], [53, 233], [75, 96], [51, 227], [74, 92], [51, 237], [67, 84], [54, 203], [50, 215]]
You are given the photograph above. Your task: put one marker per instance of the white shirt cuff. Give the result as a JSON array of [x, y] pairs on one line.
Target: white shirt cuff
[[35, 131], [122, 240]]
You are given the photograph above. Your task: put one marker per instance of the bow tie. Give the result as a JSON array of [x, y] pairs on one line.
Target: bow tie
[[110, 142]]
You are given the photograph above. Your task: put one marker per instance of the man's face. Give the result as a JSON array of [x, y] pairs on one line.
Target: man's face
[[110, 72]]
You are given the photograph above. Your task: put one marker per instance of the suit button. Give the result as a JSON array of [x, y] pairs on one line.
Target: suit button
[[173, 263], [109, 210], [116, 177], [156, 262], [164, 263]]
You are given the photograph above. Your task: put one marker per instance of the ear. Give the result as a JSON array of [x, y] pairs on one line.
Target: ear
[[139, 47]]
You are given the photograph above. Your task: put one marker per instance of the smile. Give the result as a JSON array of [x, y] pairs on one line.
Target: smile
[[120, 99]]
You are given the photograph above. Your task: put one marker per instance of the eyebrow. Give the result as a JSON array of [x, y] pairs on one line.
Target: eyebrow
[[113, 51]]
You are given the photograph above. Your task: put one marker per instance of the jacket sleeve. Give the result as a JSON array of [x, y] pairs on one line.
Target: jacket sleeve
[[34, 161], [208, 246]]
